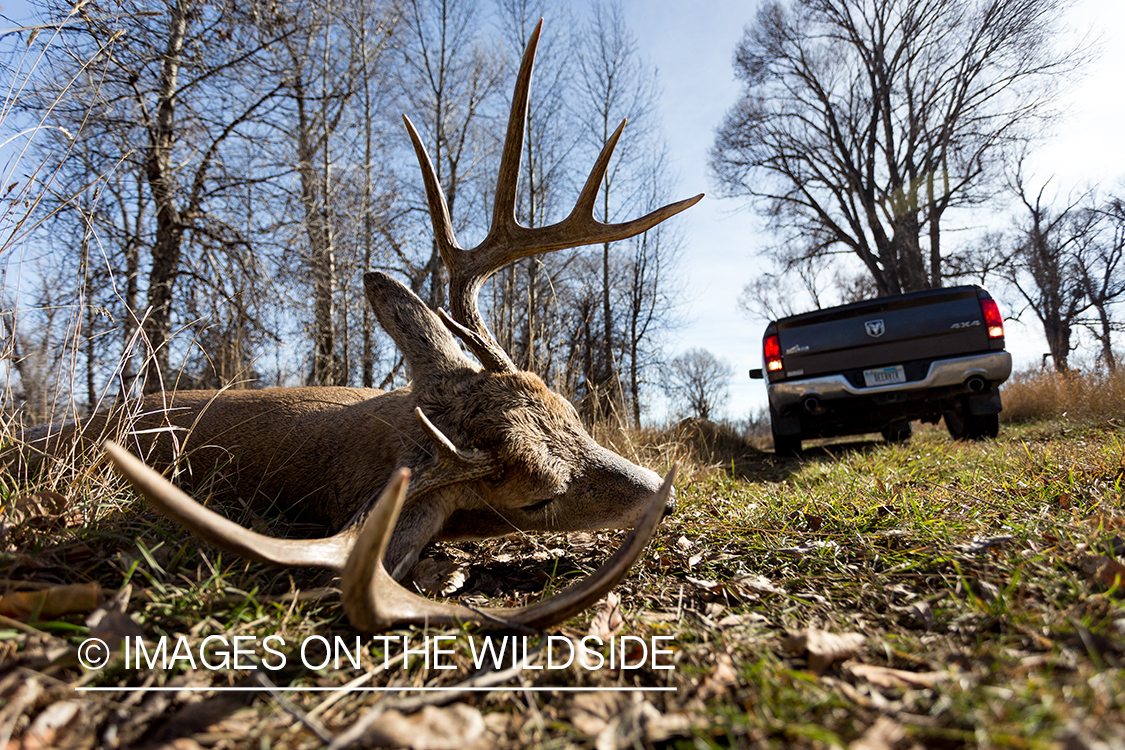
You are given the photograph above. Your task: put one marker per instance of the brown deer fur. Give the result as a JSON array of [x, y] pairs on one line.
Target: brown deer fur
[[321, 455]]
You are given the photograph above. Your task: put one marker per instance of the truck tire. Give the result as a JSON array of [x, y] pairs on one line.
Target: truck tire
[[964, 425], [786, 445], [897, 432]]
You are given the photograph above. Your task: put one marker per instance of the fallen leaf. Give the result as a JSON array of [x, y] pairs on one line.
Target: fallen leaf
[[433, 577], [667, 726], [920, 611], [111, 622], [212, 715], [42, 503], [721, 678], [591, 712], [813, 523], [823, 649], [581, 540], [758, 584], [812, 598], [702, 583], [608, 620], [683, 544], [980, 545], [882, 735], [17, 702], [52, 726], [1104, 570], [639, 725], [49, 603], [896, 678], [33, 514], [432, 728], [731, 621]]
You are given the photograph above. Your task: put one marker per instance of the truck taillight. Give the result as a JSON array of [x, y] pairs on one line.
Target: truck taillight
[[771, 348], [992, 318]]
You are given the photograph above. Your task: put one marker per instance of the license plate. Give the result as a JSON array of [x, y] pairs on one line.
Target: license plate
[[884, 376]]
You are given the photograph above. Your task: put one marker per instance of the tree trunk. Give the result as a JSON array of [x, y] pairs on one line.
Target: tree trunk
[[1105, 338], [1057, 333], [322, 252], [166, 248]]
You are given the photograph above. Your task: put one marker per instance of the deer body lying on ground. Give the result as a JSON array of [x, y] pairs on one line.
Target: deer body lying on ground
[[466, 451]]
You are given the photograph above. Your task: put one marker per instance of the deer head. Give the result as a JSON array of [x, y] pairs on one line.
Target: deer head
[[479, 450]]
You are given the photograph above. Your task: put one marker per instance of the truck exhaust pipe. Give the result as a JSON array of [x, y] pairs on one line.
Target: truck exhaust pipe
[[812, 405], [976, 384]]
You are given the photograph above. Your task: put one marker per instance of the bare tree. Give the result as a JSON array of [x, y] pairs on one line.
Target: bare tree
[[448, 80], [1099, 261], [152, 102], [330, 59], [1042, 268], [697, 383], [33, 341], [322, 83], [776, 294], [615, 85], [649, 294], [862, 124], [376, 203]]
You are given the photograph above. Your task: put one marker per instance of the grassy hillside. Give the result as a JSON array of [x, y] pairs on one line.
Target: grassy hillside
[[936, 594]]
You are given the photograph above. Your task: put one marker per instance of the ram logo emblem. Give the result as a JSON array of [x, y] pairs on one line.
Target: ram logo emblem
[[875, 328]]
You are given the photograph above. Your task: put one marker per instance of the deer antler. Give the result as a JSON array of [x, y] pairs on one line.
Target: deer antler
[[221, 532], [507, 239], [375, 601], [372, 599]]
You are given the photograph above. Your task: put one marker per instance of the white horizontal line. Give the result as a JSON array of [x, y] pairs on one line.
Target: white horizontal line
[[379, 689]]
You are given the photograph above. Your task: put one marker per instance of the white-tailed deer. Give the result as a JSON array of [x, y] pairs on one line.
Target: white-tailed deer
[[465, 451]]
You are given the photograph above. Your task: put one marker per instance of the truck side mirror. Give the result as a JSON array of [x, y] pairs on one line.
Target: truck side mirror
[[756, 374]]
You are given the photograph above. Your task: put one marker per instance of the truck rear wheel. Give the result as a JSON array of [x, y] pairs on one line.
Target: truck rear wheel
[[964, 425], [786, 445], [897, 432]]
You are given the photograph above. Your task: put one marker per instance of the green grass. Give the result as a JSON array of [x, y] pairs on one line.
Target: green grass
[[966, 565]]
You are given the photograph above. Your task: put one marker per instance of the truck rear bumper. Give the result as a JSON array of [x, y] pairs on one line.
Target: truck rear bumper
[[994, 367]]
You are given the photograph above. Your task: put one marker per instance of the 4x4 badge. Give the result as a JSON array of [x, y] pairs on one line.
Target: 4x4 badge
[[875, 328]]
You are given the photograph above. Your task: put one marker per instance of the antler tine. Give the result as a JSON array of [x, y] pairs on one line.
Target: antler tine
[[439, 209], [503, 212], [375, 601], [221, 532], [507, 179], [484, 348]]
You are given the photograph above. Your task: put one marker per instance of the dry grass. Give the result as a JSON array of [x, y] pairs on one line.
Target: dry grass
[[1036, 395], [700, 447]]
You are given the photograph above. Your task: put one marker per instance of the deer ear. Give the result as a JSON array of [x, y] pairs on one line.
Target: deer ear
[[426, 344]]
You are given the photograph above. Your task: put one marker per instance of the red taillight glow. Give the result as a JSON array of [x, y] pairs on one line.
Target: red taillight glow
[[992, 318], [771, 348]]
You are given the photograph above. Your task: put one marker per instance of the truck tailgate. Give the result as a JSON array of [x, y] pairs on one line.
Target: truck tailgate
[[927, 325]]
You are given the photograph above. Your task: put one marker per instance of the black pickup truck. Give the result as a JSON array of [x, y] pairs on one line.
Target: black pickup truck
[[873, 366]]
